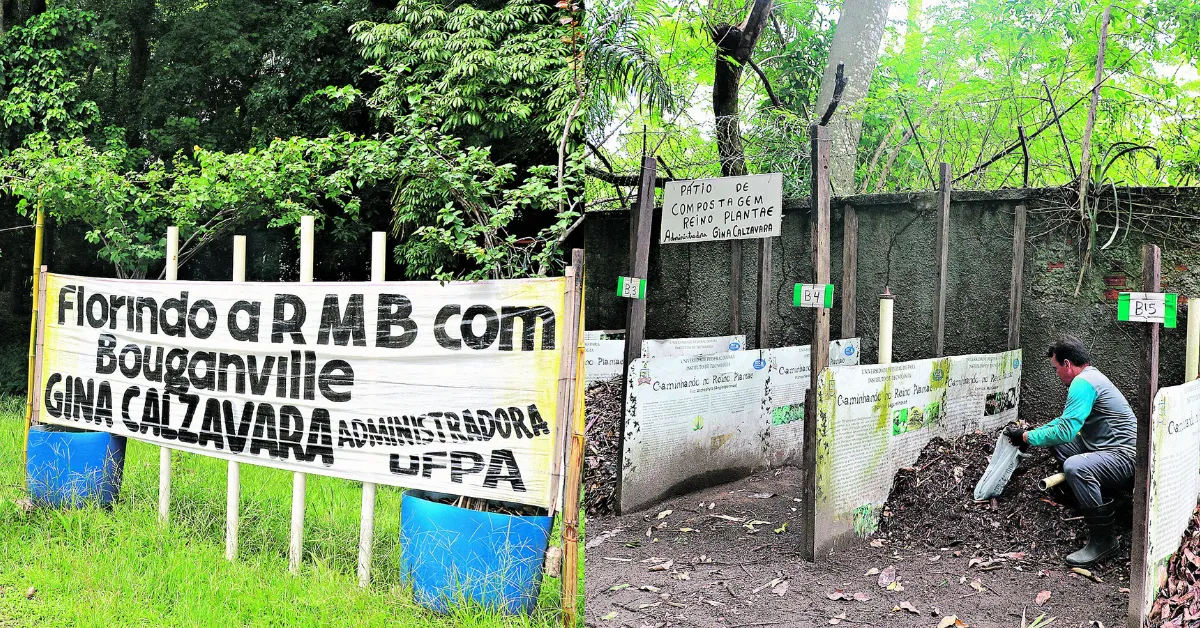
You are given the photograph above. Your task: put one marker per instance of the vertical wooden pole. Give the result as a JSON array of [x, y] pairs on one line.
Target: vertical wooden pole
[[164, 454], [941, 259], [31, 391], [1147, 387], [763, 323], [300, 480], [1017, 284], [1192, 357], [366, 522], [820, 336], [735, 286], [849, 285], [233, 494], [574, 475], [640, 221]]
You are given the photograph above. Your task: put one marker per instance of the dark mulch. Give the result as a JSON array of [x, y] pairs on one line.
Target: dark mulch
[[932, 506], [603, 414]]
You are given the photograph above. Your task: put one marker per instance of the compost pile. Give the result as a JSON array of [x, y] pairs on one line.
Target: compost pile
[[932, 506], [603, 407], [1178, 603]]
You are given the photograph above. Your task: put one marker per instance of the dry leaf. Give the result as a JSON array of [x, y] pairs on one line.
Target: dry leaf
[[975, 584], [648, 587], [909, 607], [780, 588], [713, 603], [682, 575], [877, 543], [952, 621], [611, 615], [896, 587], [1014, 555], [686, 530], [874, 571], [664, 514], [837, 594], [1041, 598], [837, 619], [862, 597], [728, 518], [762, 495], [30, 593], [641, 606], [662, 566], [619, 587], [887, 576]]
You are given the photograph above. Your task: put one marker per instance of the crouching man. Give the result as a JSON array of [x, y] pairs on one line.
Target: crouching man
[[1095, 439]]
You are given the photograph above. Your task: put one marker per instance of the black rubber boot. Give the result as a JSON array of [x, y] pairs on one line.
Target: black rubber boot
[[1101, 541]]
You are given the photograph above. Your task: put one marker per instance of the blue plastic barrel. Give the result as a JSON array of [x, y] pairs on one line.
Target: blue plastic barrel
[[67, 467], [451, 555]]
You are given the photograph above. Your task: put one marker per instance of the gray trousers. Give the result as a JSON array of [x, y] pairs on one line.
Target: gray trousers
[[1089, 471]]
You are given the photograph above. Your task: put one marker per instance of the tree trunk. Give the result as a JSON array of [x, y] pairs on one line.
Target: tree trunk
[[856, 42], [735, 45], [37, 7], [139, 63]]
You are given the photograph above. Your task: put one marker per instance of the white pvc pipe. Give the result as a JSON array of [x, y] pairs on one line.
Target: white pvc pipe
[[164, 454], [233, 497], [886, 301], [366, 529], [300, 480], [1192, 362]]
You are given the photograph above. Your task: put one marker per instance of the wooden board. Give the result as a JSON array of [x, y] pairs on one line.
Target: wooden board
[[1147, 387], [849, 285], [820, 341], [1017, 285], [763, 319], [941, 260]]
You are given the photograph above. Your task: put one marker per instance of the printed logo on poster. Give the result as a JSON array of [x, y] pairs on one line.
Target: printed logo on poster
[[735, 346], [759, 364]]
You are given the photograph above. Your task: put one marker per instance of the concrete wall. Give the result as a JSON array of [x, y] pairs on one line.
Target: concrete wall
[[689, 286]]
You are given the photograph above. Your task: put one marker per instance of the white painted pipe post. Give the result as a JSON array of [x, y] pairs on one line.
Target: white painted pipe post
[[366, 530], [164, 454], [233, 497], [1192, 362], [886, 301], [300, 480]]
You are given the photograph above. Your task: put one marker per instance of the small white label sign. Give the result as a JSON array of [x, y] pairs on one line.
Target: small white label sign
[[727, 208]]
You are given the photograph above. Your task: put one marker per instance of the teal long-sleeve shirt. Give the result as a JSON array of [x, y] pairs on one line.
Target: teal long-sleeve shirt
[[1081, 395]]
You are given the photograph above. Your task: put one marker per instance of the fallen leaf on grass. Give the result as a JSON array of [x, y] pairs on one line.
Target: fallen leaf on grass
[[611, 615], [664, 514], [30, 593], [619, 587], [887, 576], [1041, 598]]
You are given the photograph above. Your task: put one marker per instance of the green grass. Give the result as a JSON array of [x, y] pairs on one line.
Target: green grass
[[93, 567]]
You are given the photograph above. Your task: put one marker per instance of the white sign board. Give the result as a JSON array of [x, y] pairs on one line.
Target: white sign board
[[603, 356], [450, 388], [692, 346], [727, 208]]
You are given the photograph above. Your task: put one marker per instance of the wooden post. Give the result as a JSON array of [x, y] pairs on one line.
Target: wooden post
[[233, 492], [640, 220], [1017, 284], [941, 259], [887, 302], [820, 339], [574, 475], [1192, 356], [300, 480], [34, 363], [735, 286], [366, 521], [164, 454], [1147, 387], [849, 285], [763, 326]]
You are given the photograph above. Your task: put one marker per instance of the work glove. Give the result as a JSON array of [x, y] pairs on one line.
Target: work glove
[[1016, 437]]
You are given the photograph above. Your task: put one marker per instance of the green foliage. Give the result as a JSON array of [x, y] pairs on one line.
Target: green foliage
[[40, 66]]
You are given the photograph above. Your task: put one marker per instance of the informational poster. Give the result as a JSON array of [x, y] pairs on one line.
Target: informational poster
[[698, 420], [451, 388], [692, 346], [875, 419], [1174, 478], [727, 208], [603, 355]]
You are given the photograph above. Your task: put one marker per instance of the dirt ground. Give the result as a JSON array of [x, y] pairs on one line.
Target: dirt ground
[[708, 563]]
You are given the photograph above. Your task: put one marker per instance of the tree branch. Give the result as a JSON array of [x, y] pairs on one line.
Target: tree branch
[[839, 84], [767, 84]]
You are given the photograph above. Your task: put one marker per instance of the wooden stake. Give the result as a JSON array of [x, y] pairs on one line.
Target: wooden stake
[[164, 454], [233, 492], [820, 338], [1147, 387], [849, 285], [941, 259], [1017, 283], [300, 480], [34, 363], [763, 322], [574, 475], [640, 221]]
